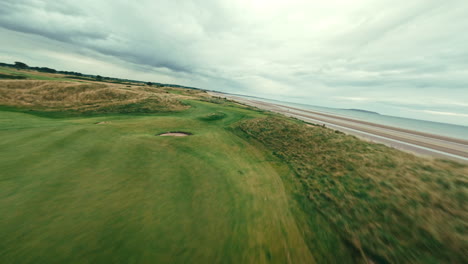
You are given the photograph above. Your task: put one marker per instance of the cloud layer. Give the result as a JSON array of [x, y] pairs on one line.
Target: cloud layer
[[397, 57]]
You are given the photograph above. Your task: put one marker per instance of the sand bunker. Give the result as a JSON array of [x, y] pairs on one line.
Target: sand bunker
[[102, 123], [175, 134]]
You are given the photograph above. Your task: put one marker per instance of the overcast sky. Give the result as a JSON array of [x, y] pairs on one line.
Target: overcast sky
[[400, 57]]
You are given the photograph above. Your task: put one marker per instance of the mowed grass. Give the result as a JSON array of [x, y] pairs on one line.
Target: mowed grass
[[73, 191]]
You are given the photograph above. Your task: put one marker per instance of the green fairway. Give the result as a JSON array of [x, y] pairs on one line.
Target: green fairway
[[73, 191]]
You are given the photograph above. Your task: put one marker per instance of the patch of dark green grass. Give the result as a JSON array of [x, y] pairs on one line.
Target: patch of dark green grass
[[14, 77], [213, 116]]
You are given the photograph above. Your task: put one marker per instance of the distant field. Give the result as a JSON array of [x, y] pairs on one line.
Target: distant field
[[84, 178], [32, 74]]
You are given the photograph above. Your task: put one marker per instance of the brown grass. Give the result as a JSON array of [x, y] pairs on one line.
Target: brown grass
[[85, 97], [396, 207]]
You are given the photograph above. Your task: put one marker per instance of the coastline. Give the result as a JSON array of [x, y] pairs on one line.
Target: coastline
[[419, 143]]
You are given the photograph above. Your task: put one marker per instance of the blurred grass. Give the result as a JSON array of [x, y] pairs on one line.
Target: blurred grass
[[390, 206], [73, 191]]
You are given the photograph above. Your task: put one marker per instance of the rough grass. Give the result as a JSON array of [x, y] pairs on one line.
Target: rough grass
[[85, 97], [392, 207]]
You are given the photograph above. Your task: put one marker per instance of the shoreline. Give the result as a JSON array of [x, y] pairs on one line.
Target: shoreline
[[419, 143]]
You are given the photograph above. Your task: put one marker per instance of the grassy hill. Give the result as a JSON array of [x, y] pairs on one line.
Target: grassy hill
[[86, 98], [84, 178]]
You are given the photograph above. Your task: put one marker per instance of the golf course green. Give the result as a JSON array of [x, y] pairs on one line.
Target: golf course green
[[109, 190], [125, 172]]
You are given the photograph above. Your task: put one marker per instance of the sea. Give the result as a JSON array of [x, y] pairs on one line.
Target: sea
[[437, 128]]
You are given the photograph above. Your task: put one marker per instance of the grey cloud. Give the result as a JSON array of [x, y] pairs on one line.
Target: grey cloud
[[50, 20], [142, 58], [58, 22], [69, 37]]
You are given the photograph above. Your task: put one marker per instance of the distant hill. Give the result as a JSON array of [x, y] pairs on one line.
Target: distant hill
[[363, 111]]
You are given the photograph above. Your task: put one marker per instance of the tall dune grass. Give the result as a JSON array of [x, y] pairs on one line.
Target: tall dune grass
[[85, 97], [393, 207]]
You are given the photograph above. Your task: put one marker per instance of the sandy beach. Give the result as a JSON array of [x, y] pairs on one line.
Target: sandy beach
[[423, 144]]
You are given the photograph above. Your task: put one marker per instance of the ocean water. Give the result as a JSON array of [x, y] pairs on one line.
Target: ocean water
[[442, 129]]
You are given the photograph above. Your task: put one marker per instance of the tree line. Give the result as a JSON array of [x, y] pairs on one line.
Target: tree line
[[23, 66]]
